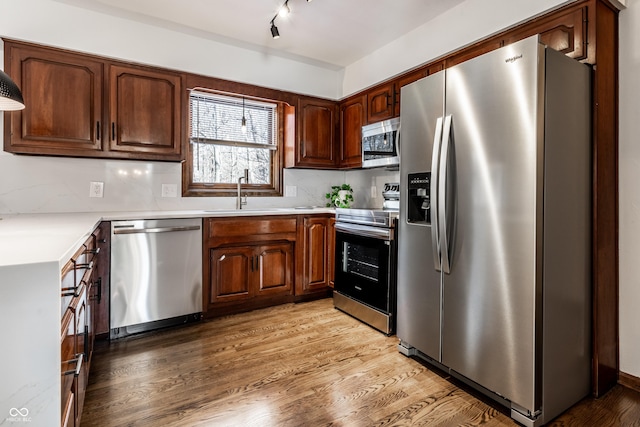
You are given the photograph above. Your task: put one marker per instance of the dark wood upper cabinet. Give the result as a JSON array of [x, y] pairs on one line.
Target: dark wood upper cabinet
[[316, 130], [381, 102], [565, 32], [63, 99], [352, 118], [85, 106], [145, 108]]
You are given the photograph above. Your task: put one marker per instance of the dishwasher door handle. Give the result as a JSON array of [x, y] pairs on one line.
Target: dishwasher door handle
[[118, 230]]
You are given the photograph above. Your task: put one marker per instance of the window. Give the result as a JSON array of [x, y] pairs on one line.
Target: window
[[222, 148]]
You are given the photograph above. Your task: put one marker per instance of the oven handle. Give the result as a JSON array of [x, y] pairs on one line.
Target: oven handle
[[360, 230]]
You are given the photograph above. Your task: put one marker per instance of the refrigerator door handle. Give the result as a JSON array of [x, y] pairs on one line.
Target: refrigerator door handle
[[442, 196], [433, 191]]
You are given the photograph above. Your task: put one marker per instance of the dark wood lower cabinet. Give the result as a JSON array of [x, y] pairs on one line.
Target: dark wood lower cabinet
[[248, 263], [314, 251], [242, 273], [80, 300], [256, 262]]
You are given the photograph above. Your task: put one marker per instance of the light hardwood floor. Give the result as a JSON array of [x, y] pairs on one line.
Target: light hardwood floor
[[294, 365]]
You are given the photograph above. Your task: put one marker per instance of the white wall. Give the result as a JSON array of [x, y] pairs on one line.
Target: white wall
[[629, 184]]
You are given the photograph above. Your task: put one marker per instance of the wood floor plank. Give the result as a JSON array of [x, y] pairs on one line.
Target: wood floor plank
[[304, 364]]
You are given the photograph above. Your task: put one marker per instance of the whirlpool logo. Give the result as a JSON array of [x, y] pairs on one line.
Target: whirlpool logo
[[19, 415], [513, 59]]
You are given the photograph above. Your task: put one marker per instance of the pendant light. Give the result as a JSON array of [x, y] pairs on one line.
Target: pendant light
[[10, 95], [244, 119]]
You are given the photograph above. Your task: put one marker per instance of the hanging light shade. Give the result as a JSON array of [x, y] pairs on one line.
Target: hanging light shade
[[10, 96]]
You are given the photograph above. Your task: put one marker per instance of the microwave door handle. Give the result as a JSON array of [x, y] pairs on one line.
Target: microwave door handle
[[435, 164], [442, 195]]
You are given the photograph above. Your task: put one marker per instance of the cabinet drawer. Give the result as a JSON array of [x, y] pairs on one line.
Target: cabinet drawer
[[231, 230]]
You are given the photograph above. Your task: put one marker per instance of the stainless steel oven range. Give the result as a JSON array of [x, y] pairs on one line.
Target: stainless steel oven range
[[365, 277]]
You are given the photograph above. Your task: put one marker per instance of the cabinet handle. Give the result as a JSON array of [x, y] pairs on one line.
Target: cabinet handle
[[99, 292], [390, 99], [69, 292], [95, 251], [113, 131], [79, 358], [85, 265], [73, 291], [86, 340], [98, 130]]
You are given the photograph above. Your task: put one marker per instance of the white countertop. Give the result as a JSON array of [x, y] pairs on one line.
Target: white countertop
[[39, 238]]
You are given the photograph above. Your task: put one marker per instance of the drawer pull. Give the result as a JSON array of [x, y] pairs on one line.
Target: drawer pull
[[85, 265], [78, 360], [95, 251]]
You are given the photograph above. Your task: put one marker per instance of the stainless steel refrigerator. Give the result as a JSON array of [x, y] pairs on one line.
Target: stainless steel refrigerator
[[494, 270]]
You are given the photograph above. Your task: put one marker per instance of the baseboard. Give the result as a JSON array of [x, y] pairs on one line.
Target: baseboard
[[629, 381]]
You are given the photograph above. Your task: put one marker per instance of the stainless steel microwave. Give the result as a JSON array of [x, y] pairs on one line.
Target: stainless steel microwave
[[381, 144]]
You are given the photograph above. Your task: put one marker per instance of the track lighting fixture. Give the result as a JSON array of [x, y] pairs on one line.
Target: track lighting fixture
[[283, 11]]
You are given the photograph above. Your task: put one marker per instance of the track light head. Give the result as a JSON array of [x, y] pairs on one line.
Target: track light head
[[274, 31]]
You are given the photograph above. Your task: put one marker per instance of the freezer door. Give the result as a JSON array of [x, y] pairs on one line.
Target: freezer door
[[419, 285], [492, 197]]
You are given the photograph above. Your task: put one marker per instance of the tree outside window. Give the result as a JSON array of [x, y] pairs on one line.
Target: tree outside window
[[222, 148]]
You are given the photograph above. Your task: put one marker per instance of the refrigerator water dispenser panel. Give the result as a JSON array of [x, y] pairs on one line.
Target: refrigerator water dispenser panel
[[419, 200]]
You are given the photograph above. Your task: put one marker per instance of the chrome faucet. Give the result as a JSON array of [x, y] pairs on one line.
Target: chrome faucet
[[239, 200]]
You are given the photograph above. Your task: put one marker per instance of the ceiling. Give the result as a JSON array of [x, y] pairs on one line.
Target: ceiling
[[328, 33]]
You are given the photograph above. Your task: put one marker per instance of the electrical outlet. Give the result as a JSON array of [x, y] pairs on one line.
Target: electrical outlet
[[169, 190], [290, 191], [96, 189], [374, 192]]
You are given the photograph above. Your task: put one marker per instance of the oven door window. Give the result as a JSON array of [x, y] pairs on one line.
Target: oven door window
[[362, 269]]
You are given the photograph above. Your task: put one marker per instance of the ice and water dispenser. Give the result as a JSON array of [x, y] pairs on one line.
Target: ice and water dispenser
[[419, 209]]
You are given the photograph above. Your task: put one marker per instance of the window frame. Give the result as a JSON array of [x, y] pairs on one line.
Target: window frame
[[197, 189]]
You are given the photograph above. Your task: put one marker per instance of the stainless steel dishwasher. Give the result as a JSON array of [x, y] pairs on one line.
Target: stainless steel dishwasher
[[156, 274]]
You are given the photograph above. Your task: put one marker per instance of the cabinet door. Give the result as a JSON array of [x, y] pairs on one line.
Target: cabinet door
[[63, 102], [230, 273], [145, 111], [352, 118], [81, 348], [566, 33], [273, 269], [315, 273], [316, 133], [67, 369], [381, 103]]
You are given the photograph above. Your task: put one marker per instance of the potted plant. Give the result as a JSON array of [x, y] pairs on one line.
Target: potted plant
[[341, 196]]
